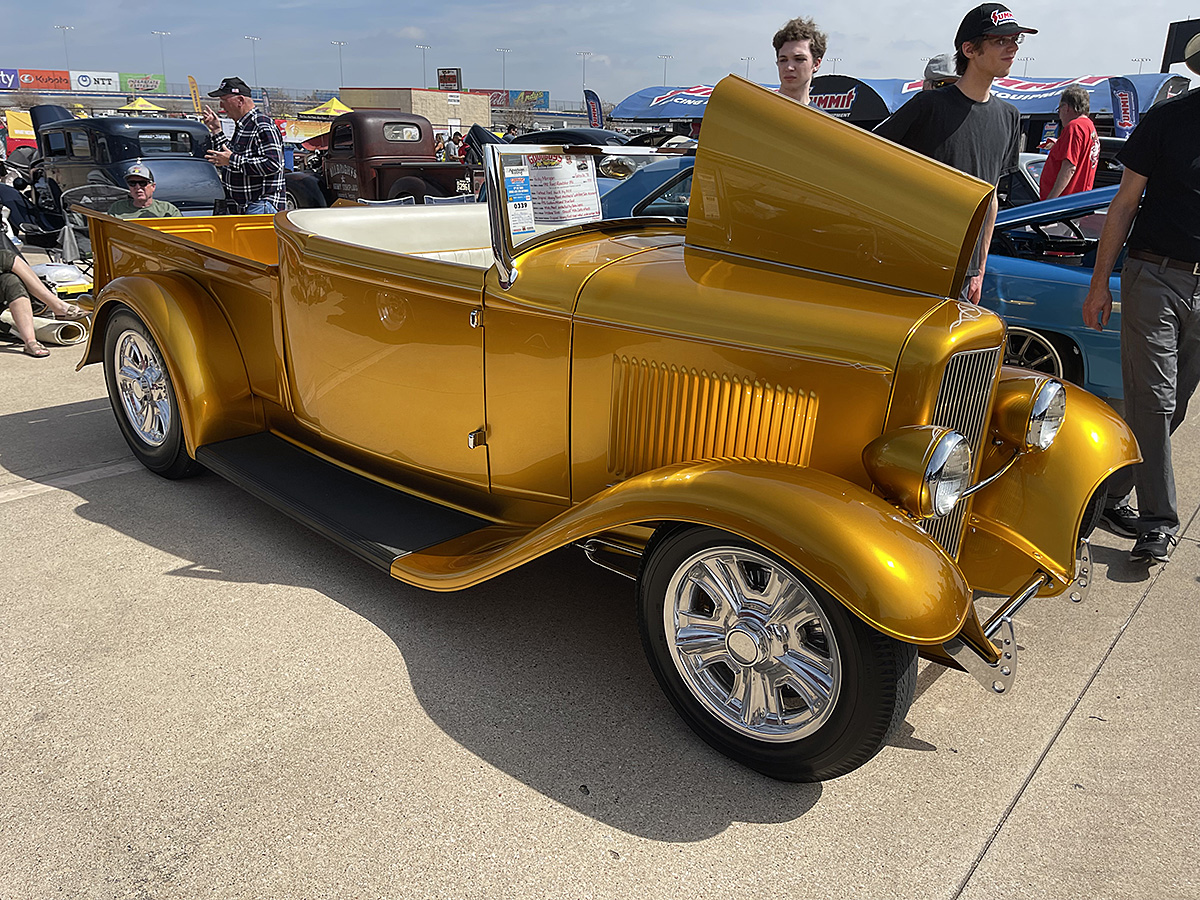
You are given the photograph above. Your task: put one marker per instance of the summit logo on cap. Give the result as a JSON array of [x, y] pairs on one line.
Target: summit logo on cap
[[1000, 16]]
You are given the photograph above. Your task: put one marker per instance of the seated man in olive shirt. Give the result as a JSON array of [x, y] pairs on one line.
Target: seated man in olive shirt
[[140, 204]]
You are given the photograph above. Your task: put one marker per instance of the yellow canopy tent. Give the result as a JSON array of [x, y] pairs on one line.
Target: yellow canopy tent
[[141, 104], [331, 107]]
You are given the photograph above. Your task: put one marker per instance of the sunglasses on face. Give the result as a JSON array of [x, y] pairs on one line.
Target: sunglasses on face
[[138, 184], [1003, 39]]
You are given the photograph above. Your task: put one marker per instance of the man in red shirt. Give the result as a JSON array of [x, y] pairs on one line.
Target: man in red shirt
[[1071, 165]]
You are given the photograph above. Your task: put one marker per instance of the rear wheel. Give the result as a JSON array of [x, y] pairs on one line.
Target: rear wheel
[[763, 664], [143, 398]]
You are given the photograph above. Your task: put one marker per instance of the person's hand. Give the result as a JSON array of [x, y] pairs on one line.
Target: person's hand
[[1097, 307], [218, 157], [975, 288], [1047, 143], [211, 122]]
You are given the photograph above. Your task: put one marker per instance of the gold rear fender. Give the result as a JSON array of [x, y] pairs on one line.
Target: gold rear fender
[[202, 357], [858, 547]]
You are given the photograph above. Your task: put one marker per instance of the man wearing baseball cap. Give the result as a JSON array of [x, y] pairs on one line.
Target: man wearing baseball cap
[[962, 124], [140, 204], [1160, 307], [251, 164]]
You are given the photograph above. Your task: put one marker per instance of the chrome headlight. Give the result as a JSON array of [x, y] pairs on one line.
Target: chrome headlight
[[1029, 411], [923, 468], [948, 473], [1049, 410]]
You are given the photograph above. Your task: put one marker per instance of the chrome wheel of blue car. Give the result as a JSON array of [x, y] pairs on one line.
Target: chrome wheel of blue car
[[762, 663]]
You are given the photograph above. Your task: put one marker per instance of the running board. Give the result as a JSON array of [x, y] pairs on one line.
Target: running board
[[374, 522]]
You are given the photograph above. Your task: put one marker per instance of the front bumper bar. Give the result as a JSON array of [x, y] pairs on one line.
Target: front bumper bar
[[996, 670]]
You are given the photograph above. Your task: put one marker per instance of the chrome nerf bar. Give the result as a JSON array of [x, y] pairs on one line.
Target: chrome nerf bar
[[999, 676]]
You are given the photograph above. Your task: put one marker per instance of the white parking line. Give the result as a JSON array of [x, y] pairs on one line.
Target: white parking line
[[24, 488]]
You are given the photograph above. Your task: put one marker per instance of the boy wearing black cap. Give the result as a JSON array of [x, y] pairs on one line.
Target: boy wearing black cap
[[251, 165], [963, 125]]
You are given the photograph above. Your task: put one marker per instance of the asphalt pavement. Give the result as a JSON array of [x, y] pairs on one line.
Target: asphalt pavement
[[200, 698]]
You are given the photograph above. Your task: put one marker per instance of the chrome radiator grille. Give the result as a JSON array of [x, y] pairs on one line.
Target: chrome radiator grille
[[962, 404]]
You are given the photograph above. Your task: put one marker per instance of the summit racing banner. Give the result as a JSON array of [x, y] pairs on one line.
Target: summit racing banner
[[865, 101]]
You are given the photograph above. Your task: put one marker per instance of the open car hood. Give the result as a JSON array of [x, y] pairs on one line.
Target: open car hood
[[788, 184]]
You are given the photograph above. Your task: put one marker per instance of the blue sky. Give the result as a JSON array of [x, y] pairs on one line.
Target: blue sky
[[706, 40]]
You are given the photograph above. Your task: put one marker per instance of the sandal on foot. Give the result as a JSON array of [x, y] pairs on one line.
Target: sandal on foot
[[36, 349], [72, 313]]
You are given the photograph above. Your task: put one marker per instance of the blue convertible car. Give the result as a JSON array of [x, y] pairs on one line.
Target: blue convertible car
[[1037, 277]]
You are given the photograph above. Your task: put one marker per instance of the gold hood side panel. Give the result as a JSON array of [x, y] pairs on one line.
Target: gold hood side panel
[[781, 182]]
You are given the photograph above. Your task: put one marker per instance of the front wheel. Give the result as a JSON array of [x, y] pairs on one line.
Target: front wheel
[[143, 398], [762, 663]]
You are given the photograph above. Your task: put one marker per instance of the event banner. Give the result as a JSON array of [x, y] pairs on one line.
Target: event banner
[[45, 80], [10, 79], [141, 83], [109, 82], [591, 101], [1124, 106]]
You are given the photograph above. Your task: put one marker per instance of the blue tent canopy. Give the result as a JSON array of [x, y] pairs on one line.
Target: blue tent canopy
[[863, 100]]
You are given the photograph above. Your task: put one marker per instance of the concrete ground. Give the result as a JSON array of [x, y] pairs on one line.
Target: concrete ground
[[200, 698]]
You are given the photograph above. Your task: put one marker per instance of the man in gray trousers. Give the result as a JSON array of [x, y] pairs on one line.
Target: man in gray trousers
[[1160, 307]]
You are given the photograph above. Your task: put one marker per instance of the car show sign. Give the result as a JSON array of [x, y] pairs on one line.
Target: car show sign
[[95, 81], [449, 79]]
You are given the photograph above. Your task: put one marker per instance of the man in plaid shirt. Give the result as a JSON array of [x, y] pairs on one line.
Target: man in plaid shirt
[[251, 165]]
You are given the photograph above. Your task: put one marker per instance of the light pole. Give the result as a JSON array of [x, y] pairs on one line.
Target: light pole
[[1027, 60], [584, 54], [254, 53], [64, 29], [1139, 60], [664, 57], [747, 60], [341, 74], [162, 54], [503, 51], [835, 60], [424, 77]]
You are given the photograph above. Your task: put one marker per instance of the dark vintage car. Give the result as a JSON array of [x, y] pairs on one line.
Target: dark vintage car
[[78, 152], [380, 154]]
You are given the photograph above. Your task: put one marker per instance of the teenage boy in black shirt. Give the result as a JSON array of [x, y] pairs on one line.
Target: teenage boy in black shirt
[[1160, 307], [963, 125]]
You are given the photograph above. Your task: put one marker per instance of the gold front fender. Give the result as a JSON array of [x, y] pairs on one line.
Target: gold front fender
[[1030, 517], [198, 348], [861, 549]]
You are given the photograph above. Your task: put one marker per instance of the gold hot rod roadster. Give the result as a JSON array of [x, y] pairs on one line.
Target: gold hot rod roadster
[[769, 415]]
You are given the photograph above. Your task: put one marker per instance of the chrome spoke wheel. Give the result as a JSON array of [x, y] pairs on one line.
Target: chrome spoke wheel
[[752, 644], [1030, 350], [142, 385]]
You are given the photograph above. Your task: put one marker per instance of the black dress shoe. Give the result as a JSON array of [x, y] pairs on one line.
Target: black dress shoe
[[1120, 520], [1154, 546]]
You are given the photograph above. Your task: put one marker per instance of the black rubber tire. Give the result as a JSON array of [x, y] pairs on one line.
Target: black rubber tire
[[1091, 513], [170, 457], [878, 673], [304, 191]]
